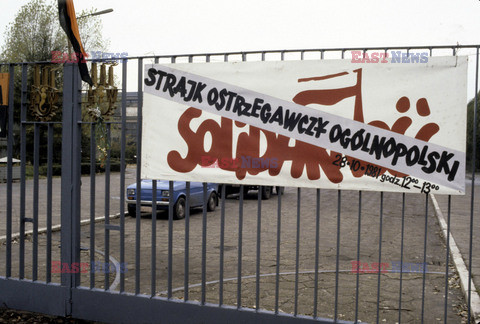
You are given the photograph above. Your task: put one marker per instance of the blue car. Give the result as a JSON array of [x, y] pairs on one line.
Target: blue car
[[179, 196]]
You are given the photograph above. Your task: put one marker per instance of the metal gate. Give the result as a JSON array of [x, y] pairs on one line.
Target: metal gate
[[66, 234]]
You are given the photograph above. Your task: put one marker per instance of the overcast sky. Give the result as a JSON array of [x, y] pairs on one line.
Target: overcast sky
[[195, 26]]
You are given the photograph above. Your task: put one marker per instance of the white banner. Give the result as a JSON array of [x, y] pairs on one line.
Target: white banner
[[328, 124]]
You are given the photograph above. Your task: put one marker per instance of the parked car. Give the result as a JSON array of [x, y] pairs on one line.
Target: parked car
[[266, 190], [179, 196]]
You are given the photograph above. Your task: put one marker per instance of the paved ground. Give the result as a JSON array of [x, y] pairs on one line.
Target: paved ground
[[411, 309], [100, 205], [463, 222]]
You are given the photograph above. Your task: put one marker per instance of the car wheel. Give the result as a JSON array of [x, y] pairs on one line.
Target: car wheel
[[266, 192], [279, 190], [132, 210], [212, 202], [179, 209]]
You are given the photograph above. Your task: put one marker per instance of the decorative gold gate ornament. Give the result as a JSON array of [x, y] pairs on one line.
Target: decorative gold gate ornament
[[101, 103], [102, 97], [44, 94]]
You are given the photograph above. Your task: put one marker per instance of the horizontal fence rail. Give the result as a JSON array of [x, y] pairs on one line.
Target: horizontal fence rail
[[74, 225]]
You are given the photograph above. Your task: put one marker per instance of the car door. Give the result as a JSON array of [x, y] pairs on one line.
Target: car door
[[196, 194]]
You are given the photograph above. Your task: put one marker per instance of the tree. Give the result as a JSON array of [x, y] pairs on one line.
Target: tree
[[32, 37], [470, 124], [36, 32]]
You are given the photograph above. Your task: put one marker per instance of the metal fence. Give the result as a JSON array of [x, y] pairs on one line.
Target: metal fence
[[68, 247]]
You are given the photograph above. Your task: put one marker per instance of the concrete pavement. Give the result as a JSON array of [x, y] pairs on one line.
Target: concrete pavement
[[463, 214], [349, 226]]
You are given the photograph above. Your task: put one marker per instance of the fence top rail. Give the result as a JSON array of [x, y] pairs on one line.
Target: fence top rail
[[336, 49]]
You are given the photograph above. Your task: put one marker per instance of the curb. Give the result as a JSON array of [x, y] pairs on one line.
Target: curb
[[116, 264], [459, 265], [56, 228]]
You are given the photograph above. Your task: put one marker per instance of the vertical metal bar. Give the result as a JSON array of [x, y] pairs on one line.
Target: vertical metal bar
[[170, 222], [187, 241], [239, 257], [472, 198], [222, 244], [23, 157], [122, 174], [138, 187], [447, 260], [204, 232], [379, 255], [8, 265], [317, 253], [153, 262], [259, 243], [277, 266], [36, 163], [66, 198], [424, 256], [106, 259], [50, 135], [93, 158], [170, 239], [76, 172], [204, 243], [357, 283], [67, 246], [222, 226], [297, 252], [337, 265], [401, 260]]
